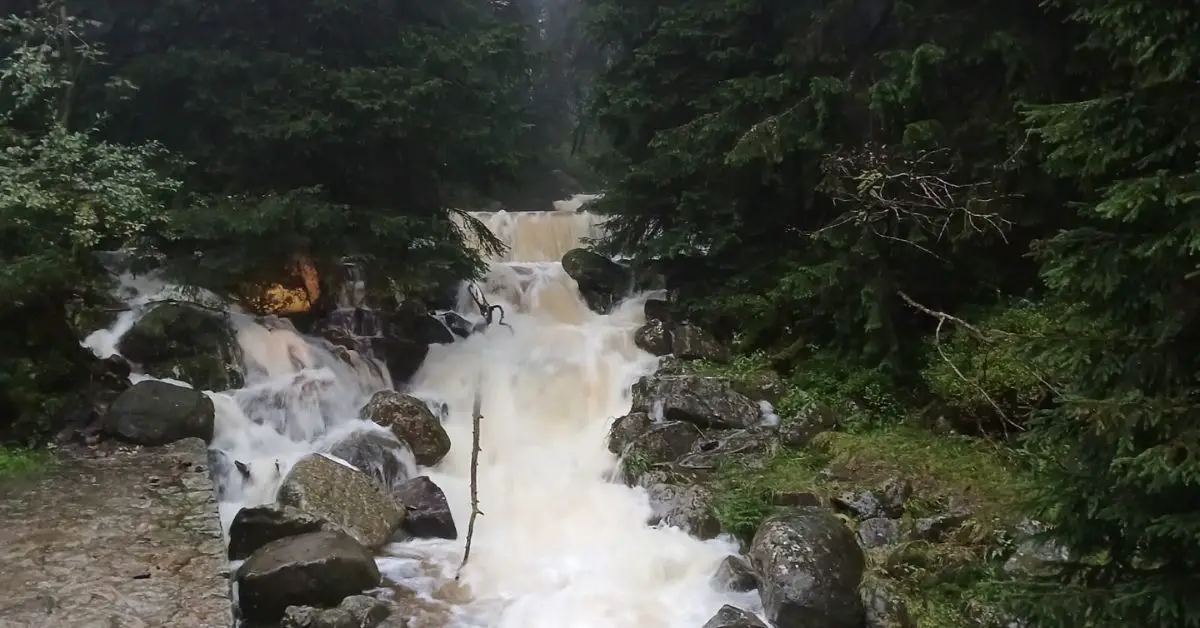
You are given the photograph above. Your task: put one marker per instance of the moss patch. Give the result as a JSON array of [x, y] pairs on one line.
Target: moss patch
[[18, 463]]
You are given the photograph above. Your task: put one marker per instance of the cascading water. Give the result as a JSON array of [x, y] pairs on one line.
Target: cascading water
[[559, 545]]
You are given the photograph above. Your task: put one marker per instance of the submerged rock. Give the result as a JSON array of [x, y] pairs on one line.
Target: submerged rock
[[188, 343], [734, 574], [379, 454], [734, 617], [316, 569], [256, 526], [356, 611], [810, 568], [343, 496], [411, 420], [703, 401], [428, 512], [157, 413]]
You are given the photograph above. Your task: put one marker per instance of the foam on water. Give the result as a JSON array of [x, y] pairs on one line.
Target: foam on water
[[559, 545]]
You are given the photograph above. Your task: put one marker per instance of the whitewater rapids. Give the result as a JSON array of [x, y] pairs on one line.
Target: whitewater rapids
[[559, 545]]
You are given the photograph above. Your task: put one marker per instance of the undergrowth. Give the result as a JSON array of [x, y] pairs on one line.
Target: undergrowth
[[18, 463]]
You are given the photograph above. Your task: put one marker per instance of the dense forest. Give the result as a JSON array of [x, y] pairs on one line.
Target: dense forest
[[973, 217]]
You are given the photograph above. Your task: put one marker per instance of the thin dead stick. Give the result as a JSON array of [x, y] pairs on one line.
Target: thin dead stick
[[476, 417]]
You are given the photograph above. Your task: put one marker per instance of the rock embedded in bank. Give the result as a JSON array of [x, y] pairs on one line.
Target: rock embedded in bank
[[625, 429], [343, 496], [188, 343], [810, 567], [734, 574], [156, 413], [654, 338], [378, 453], [316, 569], [256, 526], [734, 617], [428, 513], [691, 342], [411, 420], [707, 402], [688, 508]]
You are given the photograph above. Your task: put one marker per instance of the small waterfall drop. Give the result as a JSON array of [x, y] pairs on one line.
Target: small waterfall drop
[[559, 545]]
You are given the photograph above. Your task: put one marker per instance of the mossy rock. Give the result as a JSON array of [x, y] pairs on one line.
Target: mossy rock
[[188, 343]]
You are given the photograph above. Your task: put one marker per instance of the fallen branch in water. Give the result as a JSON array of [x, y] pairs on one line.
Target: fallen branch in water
[[476, 417]]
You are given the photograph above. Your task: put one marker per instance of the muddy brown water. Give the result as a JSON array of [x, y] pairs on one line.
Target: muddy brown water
[[121, 538]]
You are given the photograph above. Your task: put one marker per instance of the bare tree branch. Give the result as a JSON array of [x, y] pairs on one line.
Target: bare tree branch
[[476, 417]]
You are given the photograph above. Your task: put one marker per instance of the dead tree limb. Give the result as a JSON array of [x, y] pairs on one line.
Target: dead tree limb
[[476, 417]]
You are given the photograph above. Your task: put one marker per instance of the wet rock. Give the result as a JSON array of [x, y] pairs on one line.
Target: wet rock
[[653, 338], [734, 617], [319, 569], [402, 356], [356, 611], [734, 574], [256, 526], [703, 401], [688, 508], [379, 454], [627, 428], [936, 528], [602, 282], [458, 325], [343, 496], [188, 343], [411, 320], [428, 512], [157, 413], [799, 430], [764, 385], [709, 452], [878, 532], [411, 420], [690, 342], [658, 310], [810, 568], [663, 442], [885, 607]]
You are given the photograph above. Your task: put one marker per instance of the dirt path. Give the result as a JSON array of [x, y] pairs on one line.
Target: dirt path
[[126, 539]]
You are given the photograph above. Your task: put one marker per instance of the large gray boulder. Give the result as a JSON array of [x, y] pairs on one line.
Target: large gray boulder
[[157, 413], [343, 496], [411, 420], [810, 568], [316, 569], [708, 402], [188, 343]]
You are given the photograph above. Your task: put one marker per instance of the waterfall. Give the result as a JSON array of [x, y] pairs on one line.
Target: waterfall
[[559, 545]]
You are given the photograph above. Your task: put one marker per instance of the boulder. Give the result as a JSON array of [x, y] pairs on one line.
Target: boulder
[[714, 449], [428, 512], [800, 429], [878, 532], [734, 617], [187, 343], [379, 454], [356, 611], [810, 568], [157, 413], [887, 500], [653, 338], [690, 342], [734, 574], [255, 526], [688, 508], [402, 356], [936, 528], [602, 282], [885, 608], [317, 569], [625, 429], [663, 442], [411, 420], [343, 496], [704, 401]]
